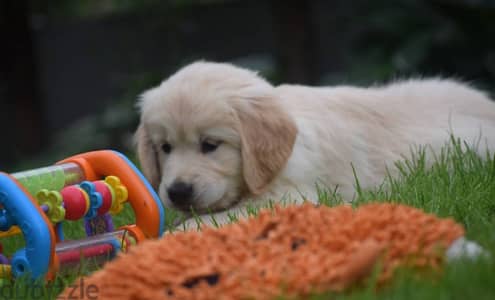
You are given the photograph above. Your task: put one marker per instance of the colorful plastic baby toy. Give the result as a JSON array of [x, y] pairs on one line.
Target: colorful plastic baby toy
[[91, 186]]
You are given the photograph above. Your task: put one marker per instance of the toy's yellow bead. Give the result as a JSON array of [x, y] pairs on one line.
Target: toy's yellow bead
[[53, 201], [120, 193]]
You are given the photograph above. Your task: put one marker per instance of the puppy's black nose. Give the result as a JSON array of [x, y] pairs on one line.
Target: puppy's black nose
[[180, 193]]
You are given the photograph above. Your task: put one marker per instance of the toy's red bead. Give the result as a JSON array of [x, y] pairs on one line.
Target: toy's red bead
[[106, 197], [75, 202]]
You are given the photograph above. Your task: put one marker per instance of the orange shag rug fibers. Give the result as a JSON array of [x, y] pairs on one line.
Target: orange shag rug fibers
[[293, 251]]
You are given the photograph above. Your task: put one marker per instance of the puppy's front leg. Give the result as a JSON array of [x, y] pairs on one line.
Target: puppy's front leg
[[219, 219], [211, 220]]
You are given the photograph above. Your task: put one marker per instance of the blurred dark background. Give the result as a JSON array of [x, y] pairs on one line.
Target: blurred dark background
[[70, 71]]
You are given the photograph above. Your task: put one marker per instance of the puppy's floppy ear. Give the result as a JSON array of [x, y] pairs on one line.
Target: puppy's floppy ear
[[267, 136], [148, 158]]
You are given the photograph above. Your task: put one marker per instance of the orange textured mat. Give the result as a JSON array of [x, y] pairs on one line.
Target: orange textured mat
[[293, 251]]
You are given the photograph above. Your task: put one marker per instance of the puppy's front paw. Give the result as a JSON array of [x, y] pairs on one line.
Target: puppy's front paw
[[210, 220], [190, 224]]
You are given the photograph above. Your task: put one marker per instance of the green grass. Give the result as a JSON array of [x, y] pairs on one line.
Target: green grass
[[460, 185]]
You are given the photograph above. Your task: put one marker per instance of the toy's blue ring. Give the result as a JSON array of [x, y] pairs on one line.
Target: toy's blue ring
[[95, 199], [34, 259]]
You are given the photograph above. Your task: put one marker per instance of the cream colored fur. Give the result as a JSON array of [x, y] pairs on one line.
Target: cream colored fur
[[279, 142]]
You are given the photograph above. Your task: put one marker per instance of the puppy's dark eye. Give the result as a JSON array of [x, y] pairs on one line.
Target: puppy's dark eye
[[208, 146], [166, 147]]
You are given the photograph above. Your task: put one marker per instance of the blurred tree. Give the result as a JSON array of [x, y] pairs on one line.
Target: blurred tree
[[295, 49], [424, 38], [23, 111]]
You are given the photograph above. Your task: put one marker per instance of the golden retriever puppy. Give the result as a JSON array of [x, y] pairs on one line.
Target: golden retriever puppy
[[214, 137]]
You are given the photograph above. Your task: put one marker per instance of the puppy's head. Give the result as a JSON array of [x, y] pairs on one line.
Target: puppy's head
[[211, 134]]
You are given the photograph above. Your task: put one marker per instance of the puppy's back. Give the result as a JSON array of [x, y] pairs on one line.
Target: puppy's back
[[376, 126], [437, 104], [443, 94]]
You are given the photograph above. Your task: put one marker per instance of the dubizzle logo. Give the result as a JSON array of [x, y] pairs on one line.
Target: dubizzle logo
[[77, 290]]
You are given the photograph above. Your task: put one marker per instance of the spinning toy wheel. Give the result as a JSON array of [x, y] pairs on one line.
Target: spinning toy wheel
[[90, 186]]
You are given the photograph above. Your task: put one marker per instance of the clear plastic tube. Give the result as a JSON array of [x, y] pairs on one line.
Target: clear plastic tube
[[51, 178], [93, 251]]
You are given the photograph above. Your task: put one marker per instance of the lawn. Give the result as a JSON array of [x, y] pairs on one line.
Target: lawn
[[460, 185]]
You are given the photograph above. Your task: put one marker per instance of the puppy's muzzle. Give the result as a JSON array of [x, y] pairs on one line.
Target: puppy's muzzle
[[181, 194]]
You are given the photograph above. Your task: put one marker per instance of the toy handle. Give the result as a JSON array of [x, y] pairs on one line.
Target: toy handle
[[148, 209], [36, 258]]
